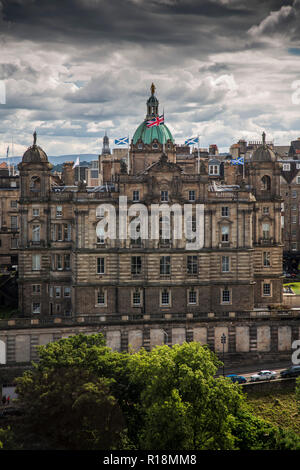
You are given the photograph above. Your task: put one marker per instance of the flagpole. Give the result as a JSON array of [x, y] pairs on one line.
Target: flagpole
[[7, 156], [244, 168], [198, 156], [128, 157]]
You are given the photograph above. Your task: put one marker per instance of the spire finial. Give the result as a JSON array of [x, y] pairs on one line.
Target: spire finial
[[152, 88], [34, 138], [264, 138]]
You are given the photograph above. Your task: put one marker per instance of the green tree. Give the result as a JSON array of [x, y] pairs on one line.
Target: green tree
[[68, 404], [297, 390], [82, 395], [181, 404]]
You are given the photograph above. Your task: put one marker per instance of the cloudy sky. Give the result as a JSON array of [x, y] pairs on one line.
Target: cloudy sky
[[73, 69]]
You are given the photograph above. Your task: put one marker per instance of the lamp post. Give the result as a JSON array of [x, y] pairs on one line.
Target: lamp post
[[223, 341]]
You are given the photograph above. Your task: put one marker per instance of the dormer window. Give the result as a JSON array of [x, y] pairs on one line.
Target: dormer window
[[154, 146], [213, 169], [140, 146]]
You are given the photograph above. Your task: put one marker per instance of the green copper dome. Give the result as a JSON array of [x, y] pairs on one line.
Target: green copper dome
[[148, 134]]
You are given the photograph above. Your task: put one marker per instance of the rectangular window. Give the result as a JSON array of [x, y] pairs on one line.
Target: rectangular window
[[136, 196], [36, 233], [265, 210], [67, 262], [14, 222], [36, 307], [36, 288], [298, 179], [57, 291], [294, 246], [101, 297], [192, 297], [192, 264], [165, 297], [165, 265], [286, 167], [225, 211], [225, 296], [100, 265], [294, 194], [266, 289], [266, 231], [225, 233], [136, 297], [136, 265], [36, 262], [164, 196], [294, 219], [35, 212], [225, 264], [67, 291], [266, 258], [294, 207], [13, 204], [192, 195], [66, 232], [59, 265]]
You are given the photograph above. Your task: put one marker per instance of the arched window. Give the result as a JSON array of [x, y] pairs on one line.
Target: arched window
[[266, 183], [35, 184]]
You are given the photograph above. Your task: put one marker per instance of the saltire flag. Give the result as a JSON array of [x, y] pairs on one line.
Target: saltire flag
[[192, 141], [156, 121], [76, 163], [238, 161], [122, 141]]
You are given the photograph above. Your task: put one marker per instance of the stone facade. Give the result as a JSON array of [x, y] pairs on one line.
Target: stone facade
[[258, 337], [70, 275]]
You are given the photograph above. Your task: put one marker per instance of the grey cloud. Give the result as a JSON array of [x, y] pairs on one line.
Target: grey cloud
[[275, 21]]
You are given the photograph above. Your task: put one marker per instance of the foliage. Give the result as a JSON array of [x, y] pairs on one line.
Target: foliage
[[82, 395], [182, 406], [278, 407], [67, 404], [254, 433], [7, 439], [297, 391]]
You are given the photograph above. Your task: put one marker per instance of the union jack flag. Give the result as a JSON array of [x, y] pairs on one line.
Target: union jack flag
[[156, 121]]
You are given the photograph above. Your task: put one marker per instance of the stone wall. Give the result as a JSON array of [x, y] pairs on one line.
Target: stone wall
[[246, 340]]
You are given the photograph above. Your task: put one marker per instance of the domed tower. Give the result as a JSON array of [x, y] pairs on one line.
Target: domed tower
[[264, 178], [264, 172], [35, 222], [35, 173], [148, 143]]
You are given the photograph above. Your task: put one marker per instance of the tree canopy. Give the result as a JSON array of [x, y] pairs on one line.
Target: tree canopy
[[83, 395]]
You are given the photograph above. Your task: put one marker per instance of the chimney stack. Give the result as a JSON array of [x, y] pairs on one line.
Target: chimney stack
[[68, 174]]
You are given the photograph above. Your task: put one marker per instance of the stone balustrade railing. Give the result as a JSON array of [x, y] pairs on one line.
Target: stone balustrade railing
[[53, 321]]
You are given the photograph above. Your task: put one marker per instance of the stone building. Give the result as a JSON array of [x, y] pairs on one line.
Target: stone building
[[65, 269], [144, 291], [9, 218]]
